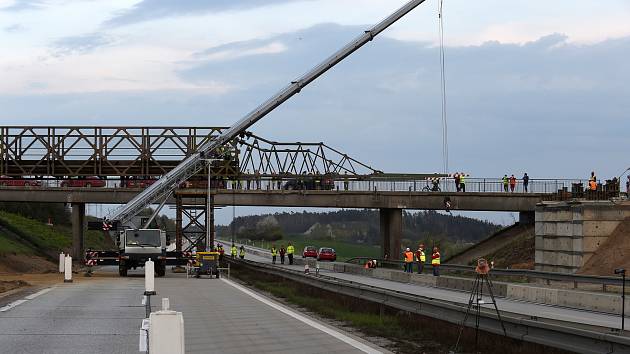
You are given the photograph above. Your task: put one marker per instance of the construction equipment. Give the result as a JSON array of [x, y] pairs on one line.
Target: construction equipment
[[161, 189], [206, 263]]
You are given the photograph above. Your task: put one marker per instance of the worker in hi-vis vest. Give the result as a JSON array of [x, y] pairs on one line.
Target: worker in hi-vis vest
[[435, 261], [420, 258], [233, 251], [274, 253], [290, 252]]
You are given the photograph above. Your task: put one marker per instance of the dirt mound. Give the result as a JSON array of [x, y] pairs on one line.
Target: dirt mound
[[10, 285], [613, 253], [26, 264]]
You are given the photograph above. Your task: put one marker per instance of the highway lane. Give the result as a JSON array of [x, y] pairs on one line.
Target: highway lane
[[104, 316], [542, 311]]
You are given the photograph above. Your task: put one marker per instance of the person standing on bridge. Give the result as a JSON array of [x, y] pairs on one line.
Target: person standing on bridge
[[435, 261], [290, 252], [505, 180], [233, 251], [241, 253], [420, 258], [462, 182], [512, 183], [408, 260], [457, 179], [282, 252], [221, 252], [345, 181], [274, 253], [525, 182]]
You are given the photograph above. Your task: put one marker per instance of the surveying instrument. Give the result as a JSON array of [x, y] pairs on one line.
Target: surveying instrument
[[476, 300]]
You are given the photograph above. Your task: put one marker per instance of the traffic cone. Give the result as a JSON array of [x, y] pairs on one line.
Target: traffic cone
[[306, 270]]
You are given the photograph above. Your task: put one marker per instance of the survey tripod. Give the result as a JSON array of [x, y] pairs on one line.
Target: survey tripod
[[476, 300]]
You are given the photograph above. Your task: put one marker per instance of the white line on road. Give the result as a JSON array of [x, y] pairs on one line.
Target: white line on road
[[12, 305], [342, 337], [41, 292], [25, 299]]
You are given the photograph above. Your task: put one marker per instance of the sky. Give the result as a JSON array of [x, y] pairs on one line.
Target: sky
[[532, 86]]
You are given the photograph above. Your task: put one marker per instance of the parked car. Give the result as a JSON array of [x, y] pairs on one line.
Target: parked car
[[19, 182], [83, 182], [309, 251], [327, 254], [137, 182]]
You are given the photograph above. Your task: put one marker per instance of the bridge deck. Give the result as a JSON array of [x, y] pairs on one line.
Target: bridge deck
[[281, 198]]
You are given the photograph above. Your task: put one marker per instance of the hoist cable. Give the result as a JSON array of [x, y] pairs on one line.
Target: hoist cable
[[443, 88]]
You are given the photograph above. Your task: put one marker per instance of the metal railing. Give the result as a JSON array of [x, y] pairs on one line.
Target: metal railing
[[528, 273]]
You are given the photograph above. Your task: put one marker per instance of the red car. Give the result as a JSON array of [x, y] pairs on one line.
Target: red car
[[327, 254], [83, 182], [309, 251], [137, 183], [19, 182]]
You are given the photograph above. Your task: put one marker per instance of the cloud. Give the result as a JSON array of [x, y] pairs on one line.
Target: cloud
[[147, 10], [82, 44], [14, 28], [23, 5]]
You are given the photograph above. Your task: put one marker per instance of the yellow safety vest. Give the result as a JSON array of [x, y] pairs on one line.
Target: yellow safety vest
[[242, 253], [274, 251], [436, 261], [423, 258], [233, 250], [290, 249]]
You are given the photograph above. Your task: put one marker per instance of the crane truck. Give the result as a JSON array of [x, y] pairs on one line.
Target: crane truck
[[161, 190]]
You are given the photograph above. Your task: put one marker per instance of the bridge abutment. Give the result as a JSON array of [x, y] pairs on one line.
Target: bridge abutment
[[527, 218], [78, 230], [569, 234], [391, 232]]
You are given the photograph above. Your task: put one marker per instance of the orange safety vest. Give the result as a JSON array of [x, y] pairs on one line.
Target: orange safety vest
[[408, 257], [435, 258], [592, 185]]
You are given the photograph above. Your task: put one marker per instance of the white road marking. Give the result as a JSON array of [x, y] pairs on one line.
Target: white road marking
[[25, 299], [41, 292], [342, 337], [12, 305]]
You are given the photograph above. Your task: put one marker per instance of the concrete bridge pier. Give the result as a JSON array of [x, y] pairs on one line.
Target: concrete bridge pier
[[391, 232], [78, 230]]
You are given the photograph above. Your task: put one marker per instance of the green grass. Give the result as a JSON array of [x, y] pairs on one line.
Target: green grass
[[44, 237], [40, 234], [344, 250], [8, 246]]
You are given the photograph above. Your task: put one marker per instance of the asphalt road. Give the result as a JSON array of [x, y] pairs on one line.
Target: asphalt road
[[579, 318], [104, 316]]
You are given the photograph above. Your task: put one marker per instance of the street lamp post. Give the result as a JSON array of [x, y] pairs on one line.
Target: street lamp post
[[622, 271], [209, 208]]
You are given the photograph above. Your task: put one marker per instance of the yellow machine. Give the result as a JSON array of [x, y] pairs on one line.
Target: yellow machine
[[206, 263]]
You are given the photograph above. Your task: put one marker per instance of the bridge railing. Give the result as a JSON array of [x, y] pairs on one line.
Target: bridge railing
[[561, 188]]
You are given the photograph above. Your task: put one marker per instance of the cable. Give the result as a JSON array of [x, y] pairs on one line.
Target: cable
[[443, 88]]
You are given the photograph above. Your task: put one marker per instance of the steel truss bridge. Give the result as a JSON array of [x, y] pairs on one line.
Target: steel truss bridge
[[72, 151]]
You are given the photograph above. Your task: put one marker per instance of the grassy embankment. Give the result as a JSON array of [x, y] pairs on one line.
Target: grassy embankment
[[35, 237]]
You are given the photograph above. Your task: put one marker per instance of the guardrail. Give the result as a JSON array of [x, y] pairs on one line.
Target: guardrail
[[563, 335], [568, 187], [533, 274]]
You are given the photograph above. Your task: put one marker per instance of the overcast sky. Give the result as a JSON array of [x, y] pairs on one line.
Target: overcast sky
[[537, 86]]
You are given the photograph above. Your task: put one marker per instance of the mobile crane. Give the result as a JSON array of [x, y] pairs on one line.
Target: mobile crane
[[160, 191]]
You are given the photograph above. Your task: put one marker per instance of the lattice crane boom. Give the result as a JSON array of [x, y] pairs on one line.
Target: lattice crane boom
[[196, 162]]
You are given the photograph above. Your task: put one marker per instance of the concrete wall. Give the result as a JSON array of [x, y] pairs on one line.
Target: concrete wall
[[568, 233]]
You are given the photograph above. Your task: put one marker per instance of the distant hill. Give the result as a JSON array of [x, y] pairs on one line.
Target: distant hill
[[359, 226]]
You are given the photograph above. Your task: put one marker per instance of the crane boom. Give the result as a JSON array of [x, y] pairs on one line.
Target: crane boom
[[195, 163]]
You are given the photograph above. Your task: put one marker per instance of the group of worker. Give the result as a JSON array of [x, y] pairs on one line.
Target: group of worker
[[289, 252], [419, 257], [509, 183], [233, 252]]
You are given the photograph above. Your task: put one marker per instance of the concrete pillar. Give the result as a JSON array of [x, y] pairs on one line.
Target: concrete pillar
[[391, 232], [78, 230], [526, 218]]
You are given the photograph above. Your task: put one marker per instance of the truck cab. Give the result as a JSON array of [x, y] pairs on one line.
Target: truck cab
[[138, 245]]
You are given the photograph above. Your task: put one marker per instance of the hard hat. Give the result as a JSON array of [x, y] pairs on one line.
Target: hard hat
[[407, 248]]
